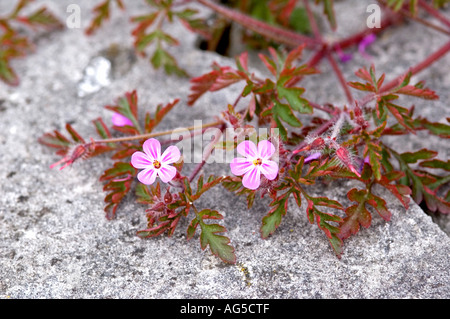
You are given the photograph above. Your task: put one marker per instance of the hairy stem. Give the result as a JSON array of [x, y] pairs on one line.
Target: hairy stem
[[150, 135]]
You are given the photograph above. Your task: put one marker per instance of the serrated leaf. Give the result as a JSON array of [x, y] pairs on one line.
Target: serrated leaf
[[219, 245], [436, 164], [323, 222], [162, 58], [118, 183], [356, 215], [292, 95], [413, 157], [272, 220]]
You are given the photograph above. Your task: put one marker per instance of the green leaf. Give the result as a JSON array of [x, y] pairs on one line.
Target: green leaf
[[162, 58], [415, 156], [284, 112], [436, 164], [219, 245], [292, 95]]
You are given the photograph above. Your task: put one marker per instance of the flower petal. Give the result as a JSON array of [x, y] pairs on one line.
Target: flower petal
[[170, 155], [247, 149], [239, 166], [167, 173], [265, 149], [152, 148], [147, 176], [269, 169], [141, 160], [252, 178], [120, 120], [312, 157]]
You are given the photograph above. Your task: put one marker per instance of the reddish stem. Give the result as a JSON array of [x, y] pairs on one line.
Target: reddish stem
[[419, 67], [340, 77], [434, 13], [198, 168], [278, 34]]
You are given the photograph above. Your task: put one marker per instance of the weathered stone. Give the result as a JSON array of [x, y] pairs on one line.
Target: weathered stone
[[56, 243]]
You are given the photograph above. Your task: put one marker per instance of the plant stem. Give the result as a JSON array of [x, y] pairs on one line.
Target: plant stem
[[203, 162], [312, 21], [340, 77], [419, 67], [281, 35], [149, 135], [434, 13]]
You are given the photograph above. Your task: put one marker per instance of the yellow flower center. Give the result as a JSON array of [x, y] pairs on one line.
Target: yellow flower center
[[156, 164], [257, 162]]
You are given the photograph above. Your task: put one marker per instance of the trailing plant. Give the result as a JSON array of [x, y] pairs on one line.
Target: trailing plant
[[14, 42], [348, 143]]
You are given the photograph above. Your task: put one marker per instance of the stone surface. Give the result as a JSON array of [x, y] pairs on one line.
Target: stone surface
[[56, 243]]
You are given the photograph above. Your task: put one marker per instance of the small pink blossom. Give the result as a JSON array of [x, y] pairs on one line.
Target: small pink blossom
[[365, 42], [312, 157], [154, 164], [256, 161], [120, 120]]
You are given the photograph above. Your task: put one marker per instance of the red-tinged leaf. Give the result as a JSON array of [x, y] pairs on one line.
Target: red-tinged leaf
[[402, 115], [410, 158], [402, 192], [128, 107], [436, 164], [118, 183], [356, 214], [55, 140], [272, 220], [323, 221], [219, 245], [362, 87], [293, 55], [328, 10], [74, 134], [160, 113], [212, 181], [242, 62], [42, 18], [101, 14], [364, 74], [426, 94], [144, 22], [101, 128], [154, 231], [143, 194], [117, 191], [7, 74], [269, 63], [218, 78], [119, 169]]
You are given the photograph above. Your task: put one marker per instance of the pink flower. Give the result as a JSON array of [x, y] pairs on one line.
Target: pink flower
[[155, 164], [365, 42], [120, 120], [312, 157], [256, 161]]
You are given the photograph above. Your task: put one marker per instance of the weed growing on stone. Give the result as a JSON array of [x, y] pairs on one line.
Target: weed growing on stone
[[300, 148]]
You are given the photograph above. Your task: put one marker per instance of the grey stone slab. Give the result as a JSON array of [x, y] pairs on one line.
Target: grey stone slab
[[56, 243]]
